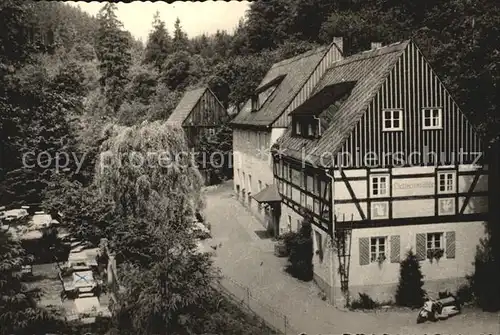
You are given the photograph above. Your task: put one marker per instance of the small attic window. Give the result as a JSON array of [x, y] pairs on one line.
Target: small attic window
[[432, 118], [392, 119], [298, 127], [306, 127], [255, 103]]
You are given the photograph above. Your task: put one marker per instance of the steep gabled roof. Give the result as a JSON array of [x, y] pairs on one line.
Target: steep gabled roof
[[185, 106], [294, 73], [368, 70]]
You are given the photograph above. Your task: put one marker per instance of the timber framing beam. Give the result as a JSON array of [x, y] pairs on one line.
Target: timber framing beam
[[298, 209], [471, 189], [353, 196]]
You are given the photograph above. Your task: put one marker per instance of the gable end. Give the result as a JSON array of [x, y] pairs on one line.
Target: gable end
[[412, 86], [207, 112]]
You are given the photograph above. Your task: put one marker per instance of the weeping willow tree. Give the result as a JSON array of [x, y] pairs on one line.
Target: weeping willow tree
[[149, 173]]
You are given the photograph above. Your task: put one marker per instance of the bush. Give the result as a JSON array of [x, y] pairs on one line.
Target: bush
[[464, 294], [410, 292], [288, 239], [300, 247], [486, 276], [222, 316], [363, 302]]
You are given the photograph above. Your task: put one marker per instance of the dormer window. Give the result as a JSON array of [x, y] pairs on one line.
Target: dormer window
[[264, 92], [306, 126], [298, 130], [255, 103], [313, 128], [392, 120], [432, 118]]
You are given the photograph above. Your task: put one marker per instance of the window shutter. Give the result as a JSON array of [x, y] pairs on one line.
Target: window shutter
[[450, 244], [420, 247], [395, 249], [364, 251]]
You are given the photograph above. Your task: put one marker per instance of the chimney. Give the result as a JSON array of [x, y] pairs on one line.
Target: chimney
[[339, 41], [376, 45]]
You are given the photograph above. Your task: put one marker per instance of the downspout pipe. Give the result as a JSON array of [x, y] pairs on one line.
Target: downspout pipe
[[329, 173], [319, 126]]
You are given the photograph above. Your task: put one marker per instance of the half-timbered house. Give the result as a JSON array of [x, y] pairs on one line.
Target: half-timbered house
[[386, 162], [264, 118], [199, 113]]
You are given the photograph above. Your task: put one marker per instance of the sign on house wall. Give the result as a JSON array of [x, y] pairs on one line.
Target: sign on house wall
[[413, 186]]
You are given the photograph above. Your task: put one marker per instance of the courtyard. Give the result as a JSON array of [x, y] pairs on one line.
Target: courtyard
[[45, 278], [248, 262]]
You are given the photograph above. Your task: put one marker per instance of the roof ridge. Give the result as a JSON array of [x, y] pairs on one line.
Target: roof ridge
[[363, 55], [300, 56], [196, 89]]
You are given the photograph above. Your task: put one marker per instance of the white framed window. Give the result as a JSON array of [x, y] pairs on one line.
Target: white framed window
[[288, 188], [377, 249], [313, 129], [446, 182], [298, 129], [322, 190], [379, 185], [316, 206], [392, 120], [432, 118], [211, 131], [255, 103], [434, 241]]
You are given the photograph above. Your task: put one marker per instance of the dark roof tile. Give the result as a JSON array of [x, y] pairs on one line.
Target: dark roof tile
[[368, 69], [185, 106], [296, 71]]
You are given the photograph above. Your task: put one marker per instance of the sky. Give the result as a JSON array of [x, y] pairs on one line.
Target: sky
[[196, 17]]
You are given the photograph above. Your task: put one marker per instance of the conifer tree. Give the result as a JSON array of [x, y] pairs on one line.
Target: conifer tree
[[159, 43], [180, 40], [410, 292], [300, 259], [113, 52]]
